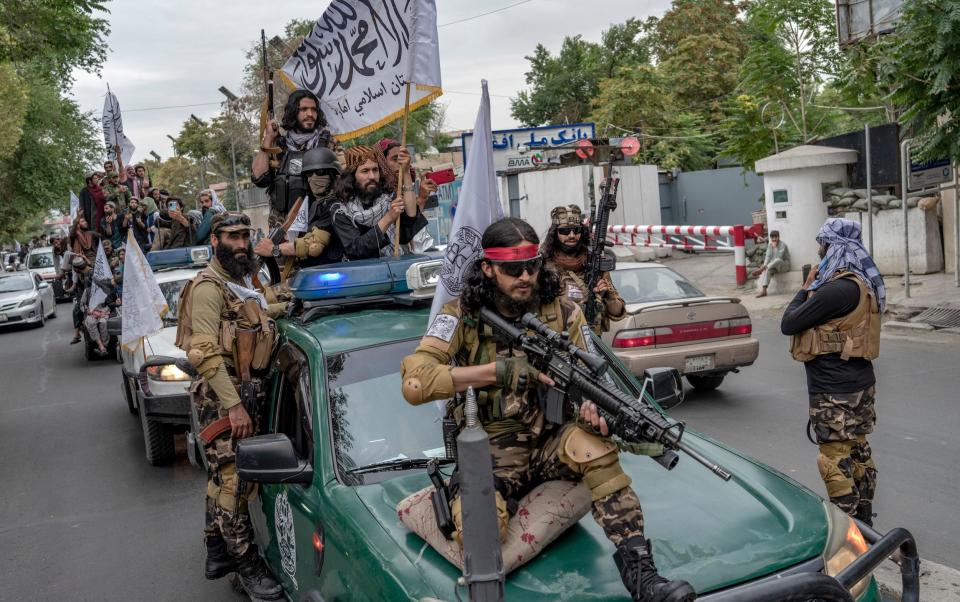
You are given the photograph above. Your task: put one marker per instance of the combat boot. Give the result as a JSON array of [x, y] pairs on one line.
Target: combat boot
[[219, 562], [865, 513], [256, 578], [635, 562]]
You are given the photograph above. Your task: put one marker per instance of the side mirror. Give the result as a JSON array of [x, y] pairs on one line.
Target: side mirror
[[664, 385], [270, 459], [43, 286], [114, 326]]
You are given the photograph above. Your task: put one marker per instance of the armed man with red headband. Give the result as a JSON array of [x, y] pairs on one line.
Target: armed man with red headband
[[460, 351]]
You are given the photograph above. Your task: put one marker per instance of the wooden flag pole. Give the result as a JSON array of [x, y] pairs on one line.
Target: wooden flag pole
[[402, 175]]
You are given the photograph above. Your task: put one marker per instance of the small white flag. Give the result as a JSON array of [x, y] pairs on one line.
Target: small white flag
[[113, 130], [143, 302], [478, 207], [101, 272], [302, 223], [75, 208]]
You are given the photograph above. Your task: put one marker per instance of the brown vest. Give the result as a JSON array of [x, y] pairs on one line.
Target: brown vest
[[236, 315], [856, 334]]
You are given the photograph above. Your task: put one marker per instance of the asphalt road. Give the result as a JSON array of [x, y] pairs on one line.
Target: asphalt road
[[762, 411], [83, 517]]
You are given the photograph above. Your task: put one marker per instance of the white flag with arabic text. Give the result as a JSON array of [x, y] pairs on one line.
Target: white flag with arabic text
[[143, 302]]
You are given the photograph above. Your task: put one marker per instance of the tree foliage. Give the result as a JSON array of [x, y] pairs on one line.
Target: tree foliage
[[922, 65], [46, 142]]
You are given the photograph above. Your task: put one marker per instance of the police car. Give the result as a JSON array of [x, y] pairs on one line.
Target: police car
[[153, 387], [340, 511]]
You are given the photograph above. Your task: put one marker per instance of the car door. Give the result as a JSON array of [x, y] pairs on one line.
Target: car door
[[290, 512], [46, 293]]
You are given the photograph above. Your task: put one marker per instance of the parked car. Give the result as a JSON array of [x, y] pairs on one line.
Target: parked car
[[41, 261], [671, 323], [342, 449], [11, 261], [25, 299], [153, 387]]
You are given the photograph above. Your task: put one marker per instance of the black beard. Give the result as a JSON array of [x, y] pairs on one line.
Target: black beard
[[569, 249], [304, 130], [507, 305], [369, 195], [237, 268]]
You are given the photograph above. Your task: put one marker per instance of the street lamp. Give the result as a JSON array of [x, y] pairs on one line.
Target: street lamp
[[203, 159], [173, 141], [231, 104], [155, 156]]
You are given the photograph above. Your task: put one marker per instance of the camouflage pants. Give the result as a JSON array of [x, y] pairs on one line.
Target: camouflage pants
[[521, 461], [224, 516], [841, 422]]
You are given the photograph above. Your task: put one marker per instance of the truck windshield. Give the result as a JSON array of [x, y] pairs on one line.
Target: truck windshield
[[40, 260], [171, 291], [371, 420]]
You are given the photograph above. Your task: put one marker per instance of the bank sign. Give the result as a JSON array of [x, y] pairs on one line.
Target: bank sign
[[508, 144]]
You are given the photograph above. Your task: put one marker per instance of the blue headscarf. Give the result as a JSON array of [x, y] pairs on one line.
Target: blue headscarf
[[846, 253]]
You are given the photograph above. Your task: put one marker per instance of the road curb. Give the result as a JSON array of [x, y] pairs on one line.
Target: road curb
[[938, 583]]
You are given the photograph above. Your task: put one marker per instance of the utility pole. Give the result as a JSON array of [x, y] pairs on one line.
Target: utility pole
[[203, 159], [231, 106]]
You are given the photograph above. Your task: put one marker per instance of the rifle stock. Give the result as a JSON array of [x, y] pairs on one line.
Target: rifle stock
[[576, 375]]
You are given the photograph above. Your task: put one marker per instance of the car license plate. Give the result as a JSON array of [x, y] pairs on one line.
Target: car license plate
[[699, 363]]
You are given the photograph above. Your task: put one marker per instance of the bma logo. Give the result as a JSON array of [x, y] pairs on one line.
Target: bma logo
[[463, 249], [286, 538]]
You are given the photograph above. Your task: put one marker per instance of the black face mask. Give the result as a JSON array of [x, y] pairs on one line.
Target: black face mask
[[569, 249], [236, 267]]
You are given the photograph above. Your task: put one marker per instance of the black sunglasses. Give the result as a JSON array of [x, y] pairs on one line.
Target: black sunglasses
[[568, 230], [515, 268]]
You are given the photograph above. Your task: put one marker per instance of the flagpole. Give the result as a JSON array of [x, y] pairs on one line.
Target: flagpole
[[402, 175]]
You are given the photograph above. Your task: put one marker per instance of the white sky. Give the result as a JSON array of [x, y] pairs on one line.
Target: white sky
[[178, 52]]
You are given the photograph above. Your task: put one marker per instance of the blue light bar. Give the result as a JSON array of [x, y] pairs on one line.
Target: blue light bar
[[352, 279], [182, 257]]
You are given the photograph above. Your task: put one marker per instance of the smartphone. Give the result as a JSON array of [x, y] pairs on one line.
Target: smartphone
[[172, 206]]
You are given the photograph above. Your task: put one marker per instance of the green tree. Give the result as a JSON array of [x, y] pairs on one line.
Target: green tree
[[46, 142], [922, 66], [564, 86]]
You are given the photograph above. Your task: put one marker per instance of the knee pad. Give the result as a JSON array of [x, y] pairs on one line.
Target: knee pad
[[503, 518], [596, 459], [837, 481]]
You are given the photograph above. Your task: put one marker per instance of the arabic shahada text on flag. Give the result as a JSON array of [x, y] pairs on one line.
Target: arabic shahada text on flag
[[101, 273], [359, 57], [74, 205], [143, 302], [113, 130], [478, 207]]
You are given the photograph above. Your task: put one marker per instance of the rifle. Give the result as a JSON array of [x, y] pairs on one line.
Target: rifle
[[266, 111], [597, 262], [577, 376], [243, 358], [277, 236]]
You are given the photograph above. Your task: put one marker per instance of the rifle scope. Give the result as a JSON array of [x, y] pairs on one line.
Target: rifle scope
[[597, 365]]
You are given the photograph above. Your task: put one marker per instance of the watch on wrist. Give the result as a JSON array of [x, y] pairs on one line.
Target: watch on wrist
[[276, 251]]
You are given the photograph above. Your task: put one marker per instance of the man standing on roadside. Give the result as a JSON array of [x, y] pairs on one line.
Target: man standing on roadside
[[775, 261], [834, 325]]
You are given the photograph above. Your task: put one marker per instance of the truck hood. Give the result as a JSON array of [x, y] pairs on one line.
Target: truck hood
[[710, 532]]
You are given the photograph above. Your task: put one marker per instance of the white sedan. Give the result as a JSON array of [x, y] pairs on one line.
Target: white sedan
[[25, 299]]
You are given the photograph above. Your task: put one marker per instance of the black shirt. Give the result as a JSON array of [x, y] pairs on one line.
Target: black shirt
[[828, 373]]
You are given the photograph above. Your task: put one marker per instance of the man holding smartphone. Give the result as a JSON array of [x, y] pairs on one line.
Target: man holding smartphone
[[175, 229]]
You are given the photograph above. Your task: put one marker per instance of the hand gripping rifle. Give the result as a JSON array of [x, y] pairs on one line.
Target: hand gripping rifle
[[577, 376], [597, 262], [277, 236]]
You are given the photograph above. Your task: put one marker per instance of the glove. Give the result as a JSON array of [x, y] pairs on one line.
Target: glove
[[515, 373]]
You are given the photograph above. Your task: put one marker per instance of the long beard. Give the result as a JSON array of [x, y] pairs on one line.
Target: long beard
[[507, 305], [236, 267], [369, 195]]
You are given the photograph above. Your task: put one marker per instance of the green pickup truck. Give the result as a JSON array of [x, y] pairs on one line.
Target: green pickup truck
[[327, 523]]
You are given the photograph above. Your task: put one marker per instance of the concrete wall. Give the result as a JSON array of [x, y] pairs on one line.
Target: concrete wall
[[949, 201], [805, 211], [926, 249], [638, 200], [715, 197]]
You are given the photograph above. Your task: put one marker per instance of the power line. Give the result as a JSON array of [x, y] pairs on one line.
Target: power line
[[199, 104], [498, 10]]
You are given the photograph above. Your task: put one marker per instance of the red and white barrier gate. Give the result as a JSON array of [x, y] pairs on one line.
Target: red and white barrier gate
[[691, 238]]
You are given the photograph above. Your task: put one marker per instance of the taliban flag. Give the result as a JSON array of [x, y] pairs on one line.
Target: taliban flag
[[75, 208], [143, 302], [359, 58], [477, 208], [102, 275], [113, 130]]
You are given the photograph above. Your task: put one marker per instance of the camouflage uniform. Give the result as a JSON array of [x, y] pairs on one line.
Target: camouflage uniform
[[841, 422], [205, 318], [572, 278], [527, 450]]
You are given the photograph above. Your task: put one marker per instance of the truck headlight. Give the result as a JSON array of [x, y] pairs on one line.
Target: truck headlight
[[167, 372], [845, 543]]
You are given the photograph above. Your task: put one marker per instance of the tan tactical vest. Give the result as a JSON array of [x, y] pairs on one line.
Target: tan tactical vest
[[236, 315], [856, 334]]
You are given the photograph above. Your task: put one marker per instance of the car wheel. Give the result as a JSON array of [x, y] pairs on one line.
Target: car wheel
[[53, 314], [158, 441], [43, 316], [705, 382], [128, 395]]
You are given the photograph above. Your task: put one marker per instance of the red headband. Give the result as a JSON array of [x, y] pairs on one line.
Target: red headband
[[511, 253]]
